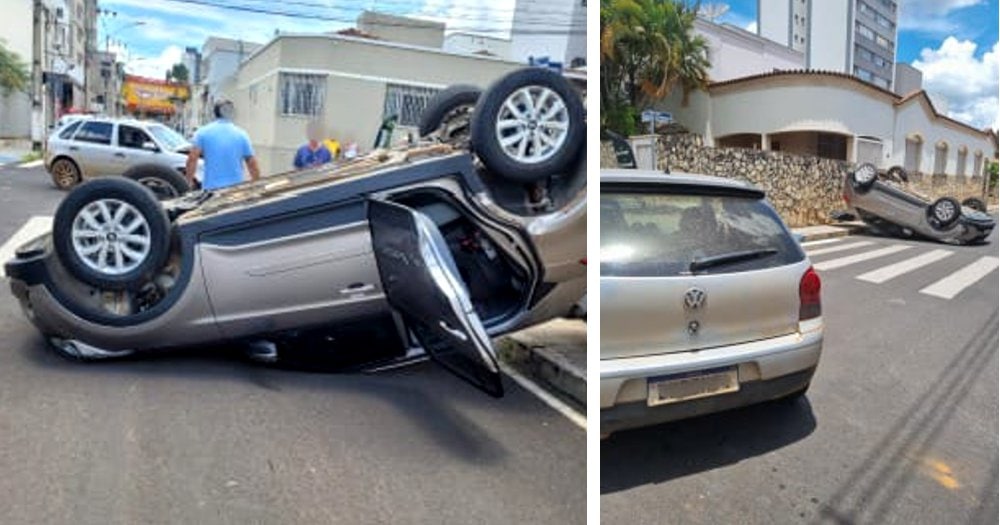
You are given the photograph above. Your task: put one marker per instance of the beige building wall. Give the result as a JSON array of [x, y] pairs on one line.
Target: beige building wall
[[357, 73], [402, 29]]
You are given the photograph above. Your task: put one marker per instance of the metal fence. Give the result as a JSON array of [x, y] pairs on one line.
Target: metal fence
[[406, 102], [301, 94]]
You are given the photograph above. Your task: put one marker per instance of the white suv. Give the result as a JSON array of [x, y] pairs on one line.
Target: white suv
[[97, 146]]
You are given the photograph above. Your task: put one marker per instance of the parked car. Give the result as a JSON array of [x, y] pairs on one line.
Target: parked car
[[883, 201], [707, 301], [434, 245], [148, 152]]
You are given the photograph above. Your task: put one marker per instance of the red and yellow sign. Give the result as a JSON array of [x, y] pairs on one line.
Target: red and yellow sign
[[149, 95]]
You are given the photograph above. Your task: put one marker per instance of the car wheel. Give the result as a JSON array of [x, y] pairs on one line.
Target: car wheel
[[65, 173], [943, 213], [975, 203], [448, 113], [164, 182], [529, 125], [111, 233], [864, 177], [898, 174]]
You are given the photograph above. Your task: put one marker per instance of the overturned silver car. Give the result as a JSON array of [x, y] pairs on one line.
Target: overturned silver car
[[441, 244], [883, 202]]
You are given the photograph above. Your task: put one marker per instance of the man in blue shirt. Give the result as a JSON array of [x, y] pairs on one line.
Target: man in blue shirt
[[225, 148], [314, 152]]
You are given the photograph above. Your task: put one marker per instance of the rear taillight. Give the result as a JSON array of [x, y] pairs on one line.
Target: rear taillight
[[809, 296]]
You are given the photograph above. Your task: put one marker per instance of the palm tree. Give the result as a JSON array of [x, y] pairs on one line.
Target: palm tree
[[13, 71], [647, 49]]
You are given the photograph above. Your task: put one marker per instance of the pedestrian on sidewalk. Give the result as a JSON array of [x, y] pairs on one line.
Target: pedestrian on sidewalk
[[314, 152], [225, 148]]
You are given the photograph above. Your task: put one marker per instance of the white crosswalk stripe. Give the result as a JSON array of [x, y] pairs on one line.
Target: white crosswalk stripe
[[839, 248], [892, 271], [859, 257], [32, 228], [953, 284], [809, 244]]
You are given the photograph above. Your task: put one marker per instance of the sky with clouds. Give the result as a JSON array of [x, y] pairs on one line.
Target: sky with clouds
[[953, 42]]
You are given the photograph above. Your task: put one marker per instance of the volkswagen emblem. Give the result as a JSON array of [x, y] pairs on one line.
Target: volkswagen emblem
[[694, 299]]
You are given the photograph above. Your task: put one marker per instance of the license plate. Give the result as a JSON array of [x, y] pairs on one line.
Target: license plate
[[692, 385]]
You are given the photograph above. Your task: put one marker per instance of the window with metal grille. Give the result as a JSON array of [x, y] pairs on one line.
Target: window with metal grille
[[406, 102], [301, 94]]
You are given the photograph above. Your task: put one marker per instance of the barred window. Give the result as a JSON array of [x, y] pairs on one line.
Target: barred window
[[301, 94], [406, 102]]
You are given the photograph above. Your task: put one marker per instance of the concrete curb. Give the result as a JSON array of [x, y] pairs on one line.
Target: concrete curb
[[548, 359], [828, 231]]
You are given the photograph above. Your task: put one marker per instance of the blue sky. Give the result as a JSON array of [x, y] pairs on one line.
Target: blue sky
[[954, 42]]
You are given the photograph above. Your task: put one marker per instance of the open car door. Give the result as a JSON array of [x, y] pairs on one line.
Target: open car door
[[422, 283]]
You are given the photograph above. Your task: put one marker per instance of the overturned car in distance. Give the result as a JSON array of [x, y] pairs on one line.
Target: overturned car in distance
[[476, 230], [883, 201]]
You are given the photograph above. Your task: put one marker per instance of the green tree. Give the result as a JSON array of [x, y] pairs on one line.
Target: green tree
[[648, 48], [14, 74], [178, 73]]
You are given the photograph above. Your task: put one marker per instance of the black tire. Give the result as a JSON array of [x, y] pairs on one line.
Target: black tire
[[164, 182], [975, 203], [143, 202], [863, 178], [65, 173], [486, 142], [898, 174], [451, 102], [943, 213]]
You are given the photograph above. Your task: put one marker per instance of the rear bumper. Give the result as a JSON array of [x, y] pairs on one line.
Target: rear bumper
[[767, 369]]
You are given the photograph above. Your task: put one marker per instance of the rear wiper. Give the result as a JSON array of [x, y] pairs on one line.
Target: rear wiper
[[729, 258]]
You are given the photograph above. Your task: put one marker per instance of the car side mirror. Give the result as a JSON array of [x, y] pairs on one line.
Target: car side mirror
[[150, 146]]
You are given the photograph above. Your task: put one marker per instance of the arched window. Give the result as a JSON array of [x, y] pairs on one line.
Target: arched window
[[960, 160], [977, 163], [940, 157], [911, 162]]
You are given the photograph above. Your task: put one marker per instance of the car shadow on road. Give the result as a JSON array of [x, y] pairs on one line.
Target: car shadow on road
[[406, 391], [664, 452]]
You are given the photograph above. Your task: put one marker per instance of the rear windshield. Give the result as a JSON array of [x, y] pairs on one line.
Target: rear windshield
[[654, 234]]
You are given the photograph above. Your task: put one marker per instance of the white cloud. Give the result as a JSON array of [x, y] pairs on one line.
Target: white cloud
[[970, 85], [491, 17], [931, 16], [155, 67]]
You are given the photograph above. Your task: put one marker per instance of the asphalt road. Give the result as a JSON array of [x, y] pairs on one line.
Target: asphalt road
[[899, 425], [206, 437]]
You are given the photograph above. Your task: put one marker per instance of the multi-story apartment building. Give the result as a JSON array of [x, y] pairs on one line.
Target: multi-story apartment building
[[556, 29], [857, 37]]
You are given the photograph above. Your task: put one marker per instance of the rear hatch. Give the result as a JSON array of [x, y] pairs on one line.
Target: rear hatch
[[744, 285]]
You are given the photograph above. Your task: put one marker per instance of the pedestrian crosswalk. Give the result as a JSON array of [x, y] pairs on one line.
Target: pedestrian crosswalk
[[843, 253]]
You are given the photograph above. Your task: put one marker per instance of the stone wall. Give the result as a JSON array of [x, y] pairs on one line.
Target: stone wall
[[804, 189]]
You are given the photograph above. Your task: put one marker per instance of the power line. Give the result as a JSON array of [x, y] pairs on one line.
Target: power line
[[560, 29]]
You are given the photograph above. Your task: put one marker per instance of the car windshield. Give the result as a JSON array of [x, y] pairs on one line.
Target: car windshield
[[649, 234], [169, 138]]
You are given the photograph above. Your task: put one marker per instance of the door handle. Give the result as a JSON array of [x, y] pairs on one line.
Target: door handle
[[458, 334], [120, 155], [357, 288], [74, 148]]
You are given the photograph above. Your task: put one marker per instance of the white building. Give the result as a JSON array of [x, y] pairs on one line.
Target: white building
[[348, 84], [837, 116], [555, 28], [857, 37], [475, 44], [735, 52]]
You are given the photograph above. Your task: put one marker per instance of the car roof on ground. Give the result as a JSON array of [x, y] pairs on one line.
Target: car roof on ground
[[674, 178]]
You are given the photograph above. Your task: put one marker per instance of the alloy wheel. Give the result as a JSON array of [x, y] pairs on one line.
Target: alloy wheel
[[111, 236], [532, 124]]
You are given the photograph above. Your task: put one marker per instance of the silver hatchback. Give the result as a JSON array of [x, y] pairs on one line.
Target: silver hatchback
[[707, 300], [96, 146]]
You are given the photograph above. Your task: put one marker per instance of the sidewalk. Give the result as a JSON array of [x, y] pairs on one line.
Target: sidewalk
[[12, 151], [828, 231], [553, 354]]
